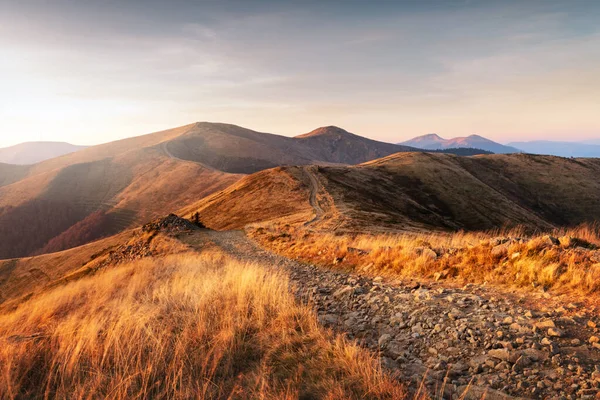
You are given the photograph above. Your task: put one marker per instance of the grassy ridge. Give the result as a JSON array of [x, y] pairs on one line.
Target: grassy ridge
[[180, 327]]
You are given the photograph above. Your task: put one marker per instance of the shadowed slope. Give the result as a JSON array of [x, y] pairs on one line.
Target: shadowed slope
[[10, 173], [50, 211]]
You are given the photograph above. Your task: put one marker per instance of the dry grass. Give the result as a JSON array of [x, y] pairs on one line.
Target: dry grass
[[467, 257], [179, 327]]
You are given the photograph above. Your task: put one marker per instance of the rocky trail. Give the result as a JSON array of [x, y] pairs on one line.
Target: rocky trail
[[314, 190], [502, 345]]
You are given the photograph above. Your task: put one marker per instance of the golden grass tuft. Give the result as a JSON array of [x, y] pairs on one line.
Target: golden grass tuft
[[184, 326]]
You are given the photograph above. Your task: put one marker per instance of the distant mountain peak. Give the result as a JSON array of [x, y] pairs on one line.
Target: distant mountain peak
[[435, 142], [326, 131], [430, 136], [34, 152]]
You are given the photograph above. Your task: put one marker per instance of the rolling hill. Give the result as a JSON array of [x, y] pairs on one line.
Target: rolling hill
[[435, 142], [99, 191], [417, 191], [35, 152]]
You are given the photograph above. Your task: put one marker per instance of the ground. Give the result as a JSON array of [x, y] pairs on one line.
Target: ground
[[506, 344]]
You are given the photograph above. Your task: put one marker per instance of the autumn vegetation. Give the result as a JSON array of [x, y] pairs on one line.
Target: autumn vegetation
[[564, 260], [180, 327]]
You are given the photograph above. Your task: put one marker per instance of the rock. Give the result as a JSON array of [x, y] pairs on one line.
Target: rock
[[500, 354], [172, 224], [594, 339], [507, 321], [438, 276], [551, 240], [329, 319], [394, 349], [347, 290], [555, 332], [422, 294], [545, 324], [591, 324], [471, 392], [521, 363], [429, 254], [500, 250], [546, 342], [384, 340]]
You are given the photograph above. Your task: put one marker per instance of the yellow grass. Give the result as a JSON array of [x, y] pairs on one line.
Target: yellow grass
[[184, 326], [464, 256]]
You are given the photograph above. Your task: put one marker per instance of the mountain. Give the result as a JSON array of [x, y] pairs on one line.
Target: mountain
[[101, 190], [416, 191], [591, 141], [234, 149], [34, 152], [435, 142], [562, 149]]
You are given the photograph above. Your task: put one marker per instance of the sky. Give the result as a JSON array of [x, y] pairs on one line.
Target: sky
[[89, 72]]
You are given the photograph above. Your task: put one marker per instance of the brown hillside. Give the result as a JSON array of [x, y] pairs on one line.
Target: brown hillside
[[234, 149], [339, 146], [19, 277], [81, 202], [279, 193], [101, 190], [422, 191]]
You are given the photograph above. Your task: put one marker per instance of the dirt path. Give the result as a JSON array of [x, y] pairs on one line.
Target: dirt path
[[314, 190], [427, 333]]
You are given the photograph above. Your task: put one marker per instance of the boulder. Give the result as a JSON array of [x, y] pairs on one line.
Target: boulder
[[500, 250]]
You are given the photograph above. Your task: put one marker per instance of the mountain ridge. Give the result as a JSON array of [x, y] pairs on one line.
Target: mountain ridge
[[28, 153], [433, 141], [63, 201]]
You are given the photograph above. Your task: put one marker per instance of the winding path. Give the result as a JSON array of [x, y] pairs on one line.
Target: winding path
[[314, 191]]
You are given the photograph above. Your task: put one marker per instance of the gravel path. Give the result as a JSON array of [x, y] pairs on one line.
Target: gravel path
[[449, 337], [314, 190]]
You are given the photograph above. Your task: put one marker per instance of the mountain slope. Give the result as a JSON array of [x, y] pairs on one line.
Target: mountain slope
[[234, 149], [435, 142], [98, 191], [424, 191], [562, 149], [34, 152]]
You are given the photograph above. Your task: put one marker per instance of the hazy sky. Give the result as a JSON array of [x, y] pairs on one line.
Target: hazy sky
[[94, 71]]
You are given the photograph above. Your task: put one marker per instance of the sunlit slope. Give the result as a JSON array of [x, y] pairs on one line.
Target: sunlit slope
[[430, 191]]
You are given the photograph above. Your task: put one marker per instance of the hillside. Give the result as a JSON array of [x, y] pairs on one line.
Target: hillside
[[421, 191], [234, 149], [99, 191], [35, 152], [435, 142]]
